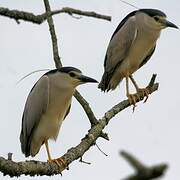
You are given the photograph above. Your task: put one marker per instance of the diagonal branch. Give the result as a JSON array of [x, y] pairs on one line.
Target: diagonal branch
[[86, 108], [38, 19], [44, 168]]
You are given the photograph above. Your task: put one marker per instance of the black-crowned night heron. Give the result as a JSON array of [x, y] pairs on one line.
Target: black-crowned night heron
[[47, 106], [131, 46]]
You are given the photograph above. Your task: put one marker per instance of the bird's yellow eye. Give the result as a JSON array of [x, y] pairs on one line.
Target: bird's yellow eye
[[72, 74]]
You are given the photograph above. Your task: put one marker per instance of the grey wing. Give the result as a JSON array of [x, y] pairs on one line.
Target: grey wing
[[36, 105], [67, 112], [120, 44], [117, 50], [148, 57]]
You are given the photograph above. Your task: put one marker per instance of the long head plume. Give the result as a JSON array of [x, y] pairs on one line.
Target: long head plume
[[129, 4], [27, 75]]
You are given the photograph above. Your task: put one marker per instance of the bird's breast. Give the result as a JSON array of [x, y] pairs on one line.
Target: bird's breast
[[139, 50], [51, 120]]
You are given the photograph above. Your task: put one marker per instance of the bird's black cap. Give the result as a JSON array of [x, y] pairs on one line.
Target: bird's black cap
[[66, 69], [152, 12]]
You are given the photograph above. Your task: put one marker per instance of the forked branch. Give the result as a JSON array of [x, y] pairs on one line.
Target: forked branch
[[39, 19]]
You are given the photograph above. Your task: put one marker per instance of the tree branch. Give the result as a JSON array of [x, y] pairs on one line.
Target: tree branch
[[11, 168], [86, 108], [53, 36], [44, 168], [38, 19], [58, 64], [72, 11], [143, 172]]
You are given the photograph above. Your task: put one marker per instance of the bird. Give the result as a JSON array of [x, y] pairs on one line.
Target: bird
[[131, 46], [46, 107]]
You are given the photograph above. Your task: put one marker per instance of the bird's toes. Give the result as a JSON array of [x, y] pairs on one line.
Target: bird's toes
[[132, 99], [145, 93], [60, 162]]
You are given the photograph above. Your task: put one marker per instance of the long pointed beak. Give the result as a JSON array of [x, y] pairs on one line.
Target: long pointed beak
[[170, 24], [86, 79]]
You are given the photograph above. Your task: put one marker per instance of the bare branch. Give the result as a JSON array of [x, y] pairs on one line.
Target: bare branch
[[21, 15], [58, 64], [53, 36], [72, 11], [38, 19], [143, 172], [11, 168], [86, 108], [43, 168], [93, 120]]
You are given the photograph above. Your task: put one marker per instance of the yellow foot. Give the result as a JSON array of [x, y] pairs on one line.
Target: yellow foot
[[59, 161], [145, 92], [132, 100]]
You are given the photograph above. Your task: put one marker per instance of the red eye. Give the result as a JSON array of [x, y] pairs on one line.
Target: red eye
[[156, 18], [72, 74]]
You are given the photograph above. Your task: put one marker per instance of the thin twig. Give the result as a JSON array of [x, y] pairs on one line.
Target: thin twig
[[82, 161], [38, 19], [72, 11], [10, 156], [100, 149]]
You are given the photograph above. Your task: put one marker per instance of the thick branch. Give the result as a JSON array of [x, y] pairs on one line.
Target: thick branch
[[38, 19], [143, 172], [42, 168]]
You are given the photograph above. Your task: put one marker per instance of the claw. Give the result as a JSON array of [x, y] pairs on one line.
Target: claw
[[132, 100], [59, 162], [145, 93]]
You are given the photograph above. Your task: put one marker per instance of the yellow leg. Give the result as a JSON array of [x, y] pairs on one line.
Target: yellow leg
[[144, 91], [47, 149], [134, 82], [131, 97], [58, 161]]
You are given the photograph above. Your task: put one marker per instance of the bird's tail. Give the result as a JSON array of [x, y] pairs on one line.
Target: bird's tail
[[103, 85]]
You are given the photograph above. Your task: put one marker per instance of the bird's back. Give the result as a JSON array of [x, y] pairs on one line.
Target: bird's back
[[130, 48]]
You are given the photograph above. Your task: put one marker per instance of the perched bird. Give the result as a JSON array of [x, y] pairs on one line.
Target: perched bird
[[131, 46], [47, 106]]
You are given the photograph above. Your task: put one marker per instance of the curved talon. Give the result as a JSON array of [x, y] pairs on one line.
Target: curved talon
[[132, 99], [58, 161], [138, 97], [61, 161], [145, 93]]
